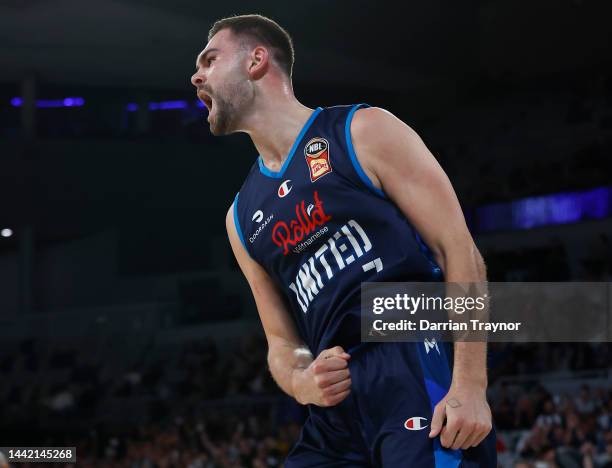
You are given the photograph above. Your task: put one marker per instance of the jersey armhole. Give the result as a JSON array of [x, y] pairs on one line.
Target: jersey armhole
[[237, 224], [351, 150]]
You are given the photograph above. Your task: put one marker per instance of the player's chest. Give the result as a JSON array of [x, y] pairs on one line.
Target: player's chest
[[288, 215]]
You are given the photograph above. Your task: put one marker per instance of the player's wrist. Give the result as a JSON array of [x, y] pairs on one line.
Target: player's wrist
[[471, 383], [297, 385]]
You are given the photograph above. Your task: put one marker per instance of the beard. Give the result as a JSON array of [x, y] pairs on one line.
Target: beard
[[231, 101]]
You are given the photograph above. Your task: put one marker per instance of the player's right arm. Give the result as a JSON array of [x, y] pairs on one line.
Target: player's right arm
[[324, 381]]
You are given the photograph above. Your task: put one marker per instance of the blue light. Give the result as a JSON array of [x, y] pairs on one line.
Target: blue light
[[73, 101], [161, 105], [172, 105], [46, 103], [546, 210]]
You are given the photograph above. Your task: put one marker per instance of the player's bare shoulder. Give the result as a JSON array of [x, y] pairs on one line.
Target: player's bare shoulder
[[373, 131], [374, 127], [363, 127], [381, 140]]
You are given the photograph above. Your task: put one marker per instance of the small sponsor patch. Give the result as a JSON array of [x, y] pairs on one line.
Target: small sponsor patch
[[258, 216], [316, 153]]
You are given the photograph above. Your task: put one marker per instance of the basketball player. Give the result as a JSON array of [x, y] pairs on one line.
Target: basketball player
[[339, 196]]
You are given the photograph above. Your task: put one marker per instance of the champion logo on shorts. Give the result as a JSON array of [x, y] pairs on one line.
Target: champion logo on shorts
[[415, 423]]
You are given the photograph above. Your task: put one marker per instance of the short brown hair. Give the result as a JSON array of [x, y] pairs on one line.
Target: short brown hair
[[263, 30]]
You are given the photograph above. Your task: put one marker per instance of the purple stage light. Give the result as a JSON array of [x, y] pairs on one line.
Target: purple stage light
[[48, 103], [163, 105], [172, 105], [73, 102], [167, 105], [52, 103], [546, 210]]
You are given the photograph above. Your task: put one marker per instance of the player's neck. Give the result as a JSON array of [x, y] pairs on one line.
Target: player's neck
[[274, 127]]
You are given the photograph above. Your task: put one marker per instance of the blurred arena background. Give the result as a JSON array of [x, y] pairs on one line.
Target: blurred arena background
[[126, 328]]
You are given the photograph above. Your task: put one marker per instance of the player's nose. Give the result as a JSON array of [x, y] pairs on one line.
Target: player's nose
[[197, 79]]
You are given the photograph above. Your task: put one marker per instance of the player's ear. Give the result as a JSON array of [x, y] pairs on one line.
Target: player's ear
[[259, 61]]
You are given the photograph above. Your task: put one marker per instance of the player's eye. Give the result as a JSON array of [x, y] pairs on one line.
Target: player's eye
[[209, 61]]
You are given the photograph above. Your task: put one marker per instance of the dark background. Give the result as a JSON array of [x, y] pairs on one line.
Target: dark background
[[125, 326]]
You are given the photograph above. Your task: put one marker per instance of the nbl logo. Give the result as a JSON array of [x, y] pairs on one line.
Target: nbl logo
[[316, 152]]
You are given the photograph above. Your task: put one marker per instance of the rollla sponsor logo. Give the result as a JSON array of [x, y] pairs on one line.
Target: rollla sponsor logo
[[262, 226], [338, 252], [288, 235]]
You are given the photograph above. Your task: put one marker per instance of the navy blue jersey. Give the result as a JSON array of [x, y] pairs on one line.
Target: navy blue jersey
[[320, 228]]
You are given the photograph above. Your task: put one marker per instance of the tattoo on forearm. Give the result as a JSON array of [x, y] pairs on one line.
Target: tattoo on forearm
[[453, 403]]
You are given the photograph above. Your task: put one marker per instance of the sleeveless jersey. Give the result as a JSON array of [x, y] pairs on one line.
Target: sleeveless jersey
[[320, 228]]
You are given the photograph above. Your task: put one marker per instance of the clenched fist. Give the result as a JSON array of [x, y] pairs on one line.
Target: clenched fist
[[326, 381]]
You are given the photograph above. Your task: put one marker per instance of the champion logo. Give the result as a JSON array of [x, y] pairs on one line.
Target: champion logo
[[258, 216], [415, 423], [285, 188]]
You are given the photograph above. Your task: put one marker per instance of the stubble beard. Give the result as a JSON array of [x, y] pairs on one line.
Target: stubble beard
[[231, 104]]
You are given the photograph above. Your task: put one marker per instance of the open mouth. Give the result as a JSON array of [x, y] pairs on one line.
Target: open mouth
[[206, 99]]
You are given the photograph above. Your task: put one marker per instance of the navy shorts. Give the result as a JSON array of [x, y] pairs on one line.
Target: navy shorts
[[384, 422]]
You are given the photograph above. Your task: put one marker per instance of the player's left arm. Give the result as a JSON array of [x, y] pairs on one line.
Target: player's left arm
[[396, 160]]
